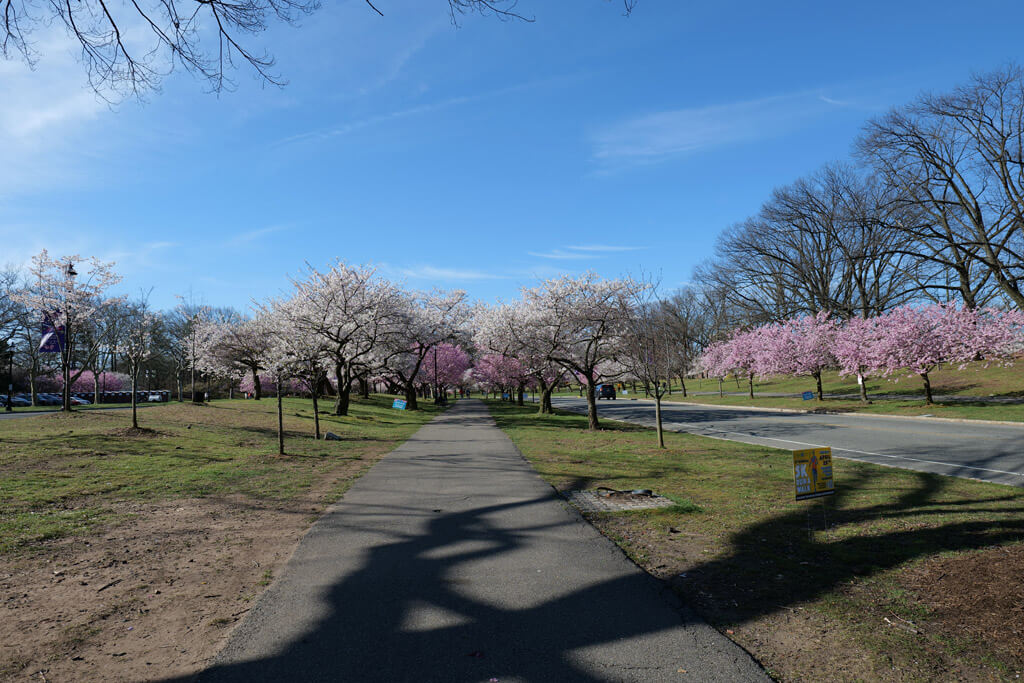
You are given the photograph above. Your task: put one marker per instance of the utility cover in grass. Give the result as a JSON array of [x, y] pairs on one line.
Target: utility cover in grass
[[614, 501]]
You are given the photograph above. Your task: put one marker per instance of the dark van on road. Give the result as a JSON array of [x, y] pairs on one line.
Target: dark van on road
[[606, 391]]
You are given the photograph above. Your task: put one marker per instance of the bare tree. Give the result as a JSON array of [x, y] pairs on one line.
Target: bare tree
[[647, 347], [684, 320], [127, 48], [960, 157], [139, 328], [827, 242]]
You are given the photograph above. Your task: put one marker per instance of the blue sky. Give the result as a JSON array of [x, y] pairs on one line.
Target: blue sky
[[481, 157]]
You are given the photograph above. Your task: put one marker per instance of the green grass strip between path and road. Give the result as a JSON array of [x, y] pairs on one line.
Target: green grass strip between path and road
[[753, 557]]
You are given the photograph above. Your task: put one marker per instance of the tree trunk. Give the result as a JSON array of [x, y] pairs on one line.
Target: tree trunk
[[135, 399], [410, 397], [863, 382], [721, 390], [364, 387], [344, 392], [545, 401], [592, 406], [192, 390], [750, 382], [682, 384], [66, 393], [817, 377], [181, 387], [519, 395], [280, 420], [257, 390], [927, 388], [316, 416], [657, 418]]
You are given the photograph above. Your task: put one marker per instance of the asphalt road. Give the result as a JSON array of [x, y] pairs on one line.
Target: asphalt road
[[451, 560], [990, 452]]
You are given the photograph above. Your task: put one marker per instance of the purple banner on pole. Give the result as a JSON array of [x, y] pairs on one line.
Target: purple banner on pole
[[53, 339]]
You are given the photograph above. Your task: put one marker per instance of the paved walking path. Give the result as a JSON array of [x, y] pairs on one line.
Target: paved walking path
[[451, 560]]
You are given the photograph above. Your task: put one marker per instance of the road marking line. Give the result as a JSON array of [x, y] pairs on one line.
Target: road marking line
[[969, 437], [877, 455], [844, 450]]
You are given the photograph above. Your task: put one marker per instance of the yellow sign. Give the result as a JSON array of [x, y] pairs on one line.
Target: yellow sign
[[812, 471]]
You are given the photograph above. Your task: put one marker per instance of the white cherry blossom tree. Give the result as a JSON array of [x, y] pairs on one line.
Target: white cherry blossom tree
[[70, 292]]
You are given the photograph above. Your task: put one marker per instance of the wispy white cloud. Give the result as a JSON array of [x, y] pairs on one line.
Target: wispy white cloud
[[44, 119], [345, 128], [397, 61], [583, 252], [604, 248], [658, 136], [253, 235], [444, 274], [560, 254], [829, 100]]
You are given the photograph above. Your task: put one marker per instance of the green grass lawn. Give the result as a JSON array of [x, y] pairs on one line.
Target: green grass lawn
[[976, 380], [91, 406], [63, 474], [753, 557]]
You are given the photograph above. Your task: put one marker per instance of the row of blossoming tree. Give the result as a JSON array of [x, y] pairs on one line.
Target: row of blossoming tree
[[907, 339]]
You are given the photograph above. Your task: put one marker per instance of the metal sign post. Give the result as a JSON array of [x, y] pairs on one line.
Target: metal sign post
[[812, 476]]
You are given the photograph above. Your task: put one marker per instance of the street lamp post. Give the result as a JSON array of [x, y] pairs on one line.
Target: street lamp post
[[65, 348]]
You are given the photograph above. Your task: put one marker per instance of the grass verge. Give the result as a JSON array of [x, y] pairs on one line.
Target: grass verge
[[65, 474], [901, 576]]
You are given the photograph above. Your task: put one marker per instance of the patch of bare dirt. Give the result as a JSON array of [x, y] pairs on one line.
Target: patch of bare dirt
[[151, 598], [799, 641], [136, 432], [976, 597]]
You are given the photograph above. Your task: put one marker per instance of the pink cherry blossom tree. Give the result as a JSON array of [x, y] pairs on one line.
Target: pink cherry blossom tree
[[508, 330], [919, 339], [746, 355], [451, 362], [108, 381], [800, 346], [500, 373], [424, 320], [857, 349], [714, 362]]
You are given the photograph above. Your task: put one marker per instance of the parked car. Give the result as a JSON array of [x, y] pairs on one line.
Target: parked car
[[76, 401], [19, 401], [606, 391], [154, 397]]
